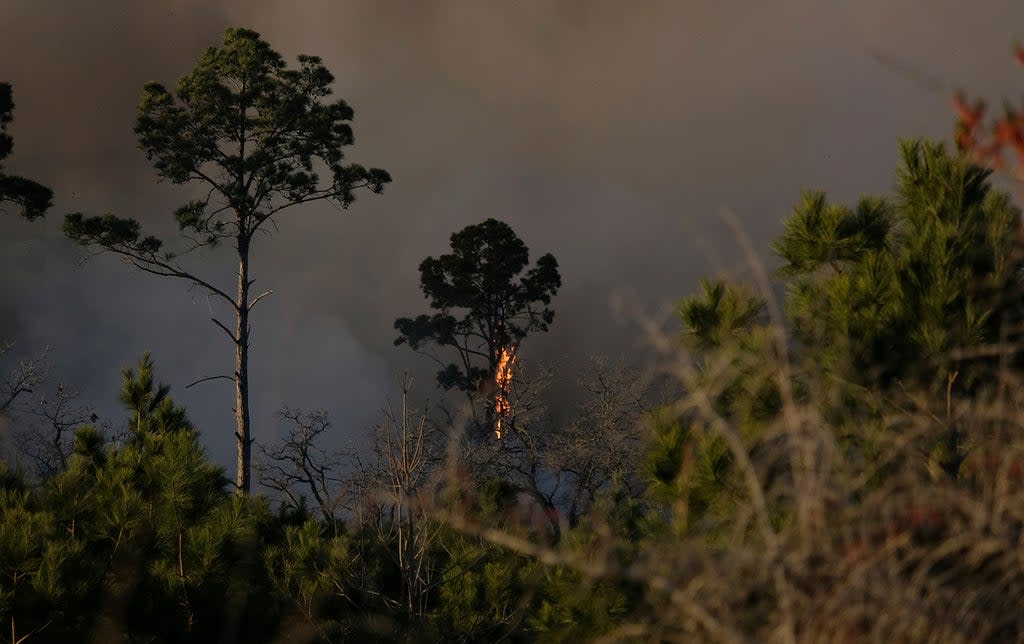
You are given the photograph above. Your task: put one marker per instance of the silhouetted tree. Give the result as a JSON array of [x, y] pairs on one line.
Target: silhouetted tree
[[484, 303], [20, 381], [49, 438], [300, 469], [256, 136], [33, 199]]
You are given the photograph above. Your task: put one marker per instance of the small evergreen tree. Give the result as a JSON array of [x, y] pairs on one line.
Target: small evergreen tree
[[895, 291]]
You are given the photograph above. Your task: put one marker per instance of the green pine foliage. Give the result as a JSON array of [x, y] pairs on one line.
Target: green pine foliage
[[729, 344], [311, 573], [592, 601], [486, 594], [891, 291], [30, 589]]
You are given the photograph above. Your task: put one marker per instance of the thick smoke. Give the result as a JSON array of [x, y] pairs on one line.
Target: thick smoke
[[607, 134]]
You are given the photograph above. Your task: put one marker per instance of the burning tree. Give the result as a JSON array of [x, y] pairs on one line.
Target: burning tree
[[503, 382], [484, 306]]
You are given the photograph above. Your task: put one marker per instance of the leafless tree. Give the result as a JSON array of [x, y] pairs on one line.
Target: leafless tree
[[43, 421], [298, 467], [22, 380], [399, 488], [564, 466], [47, 439], [603, 444]]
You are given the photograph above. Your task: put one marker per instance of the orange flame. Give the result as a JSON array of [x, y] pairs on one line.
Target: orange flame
[[503, 380]]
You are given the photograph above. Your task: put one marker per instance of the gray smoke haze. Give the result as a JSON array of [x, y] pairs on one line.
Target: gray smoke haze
[[610, 134]]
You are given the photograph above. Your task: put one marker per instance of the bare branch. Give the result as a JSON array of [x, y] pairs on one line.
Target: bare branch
[[224, 328], [258, 298], [208, 378]]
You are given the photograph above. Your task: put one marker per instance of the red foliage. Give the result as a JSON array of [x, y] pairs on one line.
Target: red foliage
[[987, 141]]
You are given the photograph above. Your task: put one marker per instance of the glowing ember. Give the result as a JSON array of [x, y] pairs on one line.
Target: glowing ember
[[503, 380]]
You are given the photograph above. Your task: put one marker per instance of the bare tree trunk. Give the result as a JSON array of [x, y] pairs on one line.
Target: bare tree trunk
[[242, 434]]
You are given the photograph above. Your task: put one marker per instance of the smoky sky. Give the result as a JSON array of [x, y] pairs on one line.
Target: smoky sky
[[610, 134]]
